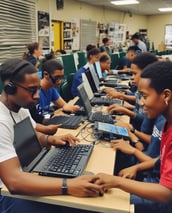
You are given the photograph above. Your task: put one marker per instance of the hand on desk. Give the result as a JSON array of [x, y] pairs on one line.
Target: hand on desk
[[63, 140], [129, 172], [84, 186], [123, 146]]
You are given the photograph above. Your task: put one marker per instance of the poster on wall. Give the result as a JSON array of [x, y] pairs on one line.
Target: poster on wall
[[44, 29], [75, 34]]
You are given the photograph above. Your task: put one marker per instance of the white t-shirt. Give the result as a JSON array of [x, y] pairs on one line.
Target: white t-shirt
[[7, 150]]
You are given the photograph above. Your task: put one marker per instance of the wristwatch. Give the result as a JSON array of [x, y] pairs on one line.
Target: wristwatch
[[133, 130], [133, 143], [64, 187]]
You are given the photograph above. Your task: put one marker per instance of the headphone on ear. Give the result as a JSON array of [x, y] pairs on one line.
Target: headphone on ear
[[11, 87], [52, 79]]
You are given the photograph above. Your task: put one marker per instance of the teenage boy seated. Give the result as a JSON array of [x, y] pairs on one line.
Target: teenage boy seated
[[53, 74], [136, 115], [124, 63], [21, 91]]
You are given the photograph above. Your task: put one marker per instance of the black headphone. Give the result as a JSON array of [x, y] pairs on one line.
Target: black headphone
[[52, 79], [11, 87]]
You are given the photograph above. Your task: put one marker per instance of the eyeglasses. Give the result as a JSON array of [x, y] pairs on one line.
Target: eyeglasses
[[32, 91], [56, 78]]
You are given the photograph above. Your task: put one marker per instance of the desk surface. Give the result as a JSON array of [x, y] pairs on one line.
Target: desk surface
[[102, 160]]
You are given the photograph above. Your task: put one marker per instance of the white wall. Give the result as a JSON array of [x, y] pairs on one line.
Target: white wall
[[156, 27], [73, 9]]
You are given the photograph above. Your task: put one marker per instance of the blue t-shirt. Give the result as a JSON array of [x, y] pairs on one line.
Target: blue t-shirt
[[153, 149], [77, 80], [45, 100]]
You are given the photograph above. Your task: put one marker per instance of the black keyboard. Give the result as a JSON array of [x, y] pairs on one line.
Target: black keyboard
[[68, 122], [68, 161], [99, 116], [105, 101]]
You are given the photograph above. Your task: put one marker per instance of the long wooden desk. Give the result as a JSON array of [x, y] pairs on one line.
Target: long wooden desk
[[102, 160]]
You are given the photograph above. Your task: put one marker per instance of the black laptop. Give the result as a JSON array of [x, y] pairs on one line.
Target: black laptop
[[92, 116], [48, 162]]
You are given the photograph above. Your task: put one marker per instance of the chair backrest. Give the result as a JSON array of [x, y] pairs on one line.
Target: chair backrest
[[69, 64], [114, 60], [82, 59], [65, 88]]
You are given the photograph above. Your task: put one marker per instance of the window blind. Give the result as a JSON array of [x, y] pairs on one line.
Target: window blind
[[88, 33], [17, 27]]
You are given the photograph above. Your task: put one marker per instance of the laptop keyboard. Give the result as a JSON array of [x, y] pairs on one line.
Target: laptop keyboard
[[68, 122], [68, 161], [105, 101], [99, 116]]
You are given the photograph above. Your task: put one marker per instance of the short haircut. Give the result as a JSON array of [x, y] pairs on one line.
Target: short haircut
[[144, 59], [104, 57], [135, 49], [160, 75], [105, 40], [94, 51], [51, 65], [15, 70], [135, 36]]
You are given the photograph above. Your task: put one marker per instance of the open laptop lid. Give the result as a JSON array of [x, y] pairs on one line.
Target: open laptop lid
[[87, 86], [26, 142], [98, 70], [84, 97]]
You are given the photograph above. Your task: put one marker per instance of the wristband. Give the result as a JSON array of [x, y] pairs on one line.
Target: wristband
[[133, 130], [135, 142], [64, 187]]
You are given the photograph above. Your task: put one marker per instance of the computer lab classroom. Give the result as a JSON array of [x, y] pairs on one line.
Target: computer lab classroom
[[64, 29]]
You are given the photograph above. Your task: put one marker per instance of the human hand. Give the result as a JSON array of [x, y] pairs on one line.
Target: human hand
[[129, 172], [115, 108], [123, 146], [84, 186], [106, 181], [63, 140], [71, 108], [52, 129]]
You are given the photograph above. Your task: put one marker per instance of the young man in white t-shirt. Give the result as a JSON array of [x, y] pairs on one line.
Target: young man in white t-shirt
[[21, 91]]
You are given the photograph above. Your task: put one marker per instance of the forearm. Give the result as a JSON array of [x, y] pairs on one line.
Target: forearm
[[141, 156], [129, 98], [151, 191], [142, 136]]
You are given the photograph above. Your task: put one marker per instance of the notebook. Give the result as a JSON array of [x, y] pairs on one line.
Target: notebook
[[34, 158], [92, 116], [98, 100]]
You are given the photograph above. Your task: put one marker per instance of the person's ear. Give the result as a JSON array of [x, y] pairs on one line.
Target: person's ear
[[167, 95]]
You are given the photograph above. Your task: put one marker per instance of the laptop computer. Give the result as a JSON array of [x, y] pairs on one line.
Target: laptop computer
[[110, 82], [66, 121], [97, 81], [92, 116], [98, 100], [34, 158]]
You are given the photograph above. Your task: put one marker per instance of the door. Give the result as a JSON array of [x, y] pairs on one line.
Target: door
[[57, 35]]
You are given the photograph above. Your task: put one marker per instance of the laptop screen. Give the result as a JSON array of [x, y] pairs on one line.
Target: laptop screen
[[98, 69], [26, 142], [85, 100], [95, 78]]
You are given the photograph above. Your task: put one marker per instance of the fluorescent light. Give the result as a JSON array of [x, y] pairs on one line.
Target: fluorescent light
[[167, 9], [125, 2]]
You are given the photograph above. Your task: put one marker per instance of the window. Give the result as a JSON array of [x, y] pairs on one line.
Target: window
[[17, 27]]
